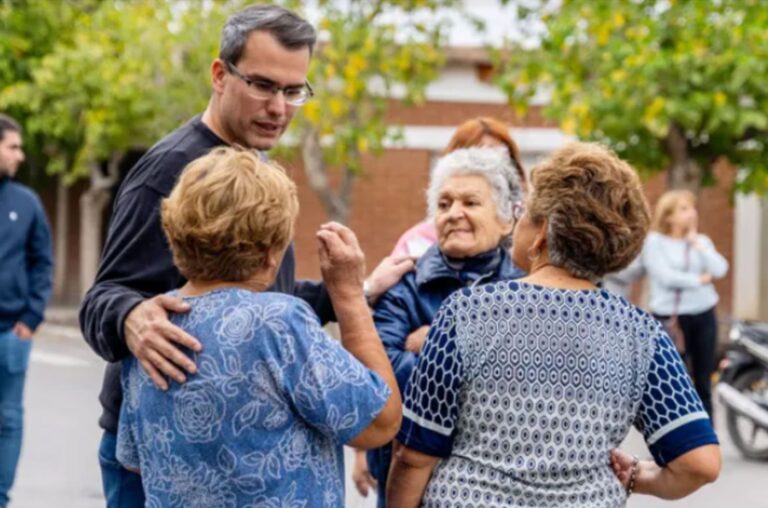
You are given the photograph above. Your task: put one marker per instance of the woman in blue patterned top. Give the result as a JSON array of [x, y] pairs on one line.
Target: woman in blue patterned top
[[263, 421], [524, 387]]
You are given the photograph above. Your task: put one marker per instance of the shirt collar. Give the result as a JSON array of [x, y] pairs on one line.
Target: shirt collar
[[435, 265]]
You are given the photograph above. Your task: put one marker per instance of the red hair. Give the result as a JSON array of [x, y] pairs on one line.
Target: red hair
[[470, 134]]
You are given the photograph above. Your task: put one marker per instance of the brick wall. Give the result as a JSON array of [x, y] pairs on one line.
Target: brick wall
[[390, 198]]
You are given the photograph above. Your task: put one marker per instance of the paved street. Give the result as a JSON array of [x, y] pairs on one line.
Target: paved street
[[59, 466]]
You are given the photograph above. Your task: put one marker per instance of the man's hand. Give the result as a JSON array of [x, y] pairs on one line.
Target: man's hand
[[22, 331], [361, 475], [153, 339], [387, 274], [416, 339], [342, 262]]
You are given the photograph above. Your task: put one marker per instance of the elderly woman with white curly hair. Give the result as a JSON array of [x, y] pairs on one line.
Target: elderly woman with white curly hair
[[470, 197]]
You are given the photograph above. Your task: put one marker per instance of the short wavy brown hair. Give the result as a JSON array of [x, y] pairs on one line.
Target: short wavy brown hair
[[227, 212], [597, 213]]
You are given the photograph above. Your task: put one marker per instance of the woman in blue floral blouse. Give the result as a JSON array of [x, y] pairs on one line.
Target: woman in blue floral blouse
[[263, 421]]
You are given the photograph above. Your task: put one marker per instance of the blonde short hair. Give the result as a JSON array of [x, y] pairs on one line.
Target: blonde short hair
[[227, 212], [598, 214], [666, 206]]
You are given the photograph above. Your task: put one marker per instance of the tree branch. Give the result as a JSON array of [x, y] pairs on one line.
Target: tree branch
[[315, 170]]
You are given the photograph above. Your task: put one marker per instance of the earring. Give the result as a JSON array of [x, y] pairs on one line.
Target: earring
[[537, 255]]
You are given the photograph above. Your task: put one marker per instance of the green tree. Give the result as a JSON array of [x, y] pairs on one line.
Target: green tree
[[668, 84], [130, 72], [367, 50]]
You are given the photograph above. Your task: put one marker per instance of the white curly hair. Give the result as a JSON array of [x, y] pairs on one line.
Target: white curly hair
[[493, 164]]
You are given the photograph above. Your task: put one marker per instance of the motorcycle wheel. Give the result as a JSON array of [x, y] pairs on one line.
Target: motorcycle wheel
[[743, 432]]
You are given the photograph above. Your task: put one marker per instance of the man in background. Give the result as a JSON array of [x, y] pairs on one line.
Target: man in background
[[26, 266]]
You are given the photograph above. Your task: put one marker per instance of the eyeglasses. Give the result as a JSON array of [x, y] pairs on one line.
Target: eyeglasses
[[263, 89], [518, 209]]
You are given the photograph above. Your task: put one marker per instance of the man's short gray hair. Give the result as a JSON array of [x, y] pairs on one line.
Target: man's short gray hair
[[290, 29], [493, 164]]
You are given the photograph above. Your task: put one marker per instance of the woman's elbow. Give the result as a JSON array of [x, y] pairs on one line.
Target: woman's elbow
[[381, 430], [707, 469], [390, 425], [720, 272]]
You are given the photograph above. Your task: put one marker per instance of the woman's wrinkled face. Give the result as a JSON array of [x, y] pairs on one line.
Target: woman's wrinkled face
[[466, 219], [685, 216]]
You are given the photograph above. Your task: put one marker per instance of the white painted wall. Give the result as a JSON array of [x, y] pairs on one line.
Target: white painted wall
[[531, 140], [747, 269]]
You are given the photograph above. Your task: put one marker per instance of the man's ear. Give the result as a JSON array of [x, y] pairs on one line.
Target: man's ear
[[218, 75]]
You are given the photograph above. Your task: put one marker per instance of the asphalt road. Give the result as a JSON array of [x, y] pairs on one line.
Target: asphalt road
[[59, 467]]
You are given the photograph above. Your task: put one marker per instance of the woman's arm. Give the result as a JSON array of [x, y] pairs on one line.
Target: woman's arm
[[681, 477], [394, 319], [408, 476], [659, 269], [342, 265], [714, 262]]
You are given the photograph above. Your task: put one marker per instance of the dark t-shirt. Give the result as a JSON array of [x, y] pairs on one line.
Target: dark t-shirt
[[137, 263]]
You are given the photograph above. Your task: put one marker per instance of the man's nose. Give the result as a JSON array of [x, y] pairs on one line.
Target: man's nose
[[276, 105]]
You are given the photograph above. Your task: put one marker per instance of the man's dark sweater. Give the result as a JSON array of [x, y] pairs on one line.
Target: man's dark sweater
[[137, 262]]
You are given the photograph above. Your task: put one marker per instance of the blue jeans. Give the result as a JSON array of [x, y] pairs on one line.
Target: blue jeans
[[14, 359], [122, 488]]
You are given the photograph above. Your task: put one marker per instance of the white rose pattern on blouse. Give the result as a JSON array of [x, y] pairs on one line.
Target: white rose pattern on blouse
[[262, 422]]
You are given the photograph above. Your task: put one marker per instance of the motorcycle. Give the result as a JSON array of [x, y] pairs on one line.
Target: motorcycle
[[743, 388]]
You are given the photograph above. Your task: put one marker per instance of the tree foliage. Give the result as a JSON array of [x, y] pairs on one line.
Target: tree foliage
[[116, 75], [666, 83], [368, 51]]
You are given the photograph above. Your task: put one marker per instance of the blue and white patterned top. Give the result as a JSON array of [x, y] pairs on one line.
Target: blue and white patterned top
[[263, 421], [524, 390]]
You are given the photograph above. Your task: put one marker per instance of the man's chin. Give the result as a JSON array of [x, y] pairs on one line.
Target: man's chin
[[263, 143]]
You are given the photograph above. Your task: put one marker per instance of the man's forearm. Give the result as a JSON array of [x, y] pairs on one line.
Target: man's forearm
[[316, 295], [102, 313]]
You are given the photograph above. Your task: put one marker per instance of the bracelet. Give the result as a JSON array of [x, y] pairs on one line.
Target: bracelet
[[633, 475]]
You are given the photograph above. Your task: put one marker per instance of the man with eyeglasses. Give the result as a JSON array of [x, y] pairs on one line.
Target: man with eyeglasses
[[259, 80]]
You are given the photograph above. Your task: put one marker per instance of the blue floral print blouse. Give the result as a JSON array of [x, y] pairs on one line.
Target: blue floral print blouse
[[263, 421]]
